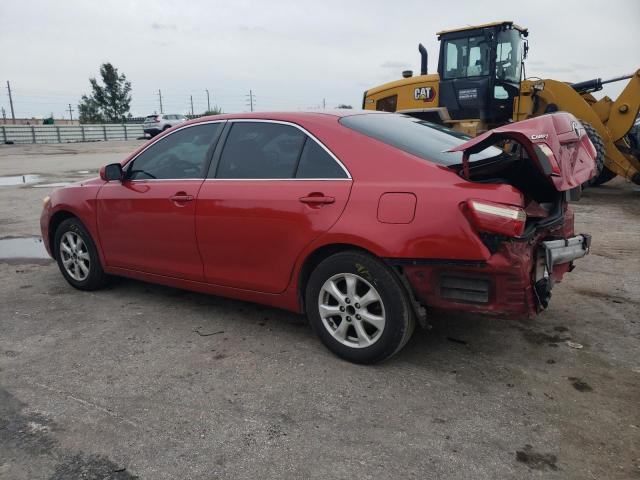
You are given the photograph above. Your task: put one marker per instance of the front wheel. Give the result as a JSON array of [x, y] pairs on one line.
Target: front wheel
[[358, 307], [77, 256]]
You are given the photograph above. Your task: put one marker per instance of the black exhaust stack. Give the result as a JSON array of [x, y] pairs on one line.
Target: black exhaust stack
[[424, 57]]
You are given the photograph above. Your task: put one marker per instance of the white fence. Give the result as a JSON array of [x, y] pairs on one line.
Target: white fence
[[68, 133]]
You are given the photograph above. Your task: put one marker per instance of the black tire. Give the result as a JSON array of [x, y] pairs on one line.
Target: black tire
[[394, 301], [595, 138], [604, 177], [95, 278], [166, 127]]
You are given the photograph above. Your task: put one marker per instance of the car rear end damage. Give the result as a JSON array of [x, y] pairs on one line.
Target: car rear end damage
[[529, 246]]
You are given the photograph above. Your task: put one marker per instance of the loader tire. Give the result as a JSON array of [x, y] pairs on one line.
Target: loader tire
[[600, 177]]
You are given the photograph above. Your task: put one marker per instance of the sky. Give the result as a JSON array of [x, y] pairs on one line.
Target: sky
[[293, 55]]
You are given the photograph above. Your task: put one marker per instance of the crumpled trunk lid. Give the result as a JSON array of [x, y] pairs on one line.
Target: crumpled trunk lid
[[557, 144]]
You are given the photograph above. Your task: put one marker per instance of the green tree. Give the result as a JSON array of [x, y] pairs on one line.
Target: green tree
[[342, 105], [89, 111], [216, 110], [109, 102]]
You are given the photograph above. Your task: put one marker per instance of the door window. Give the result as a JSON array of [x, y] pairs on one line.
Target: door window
[[183, 154], [315, 162], [260, 150]]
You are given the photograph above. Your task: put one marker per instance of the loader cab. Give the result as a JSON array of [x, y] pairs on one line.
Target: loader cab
[[480, 71]]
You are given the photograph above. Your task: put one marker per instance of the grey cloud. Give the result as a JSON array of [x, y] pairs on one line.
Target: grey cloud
[[163, 26]]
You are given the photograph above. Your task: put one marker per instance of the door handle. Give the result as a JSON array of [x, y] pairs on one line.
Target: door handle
[[181, 198], [317, 200]]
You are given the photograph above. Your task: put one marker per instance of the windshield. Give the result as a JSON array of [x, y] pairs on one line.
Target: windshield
[[508, 56], [423, 139]]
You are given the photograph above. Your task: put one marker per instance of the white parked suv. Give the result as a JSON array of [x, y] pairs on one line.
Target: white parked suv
[[154, 124]]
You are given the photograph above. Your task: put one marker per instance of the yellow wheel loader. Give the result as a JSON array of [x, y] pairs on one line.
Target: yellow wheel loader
[[481, 84]]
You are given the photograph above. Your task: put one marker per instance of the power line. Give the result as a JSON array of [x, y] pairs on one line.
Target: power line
[[250, 98]]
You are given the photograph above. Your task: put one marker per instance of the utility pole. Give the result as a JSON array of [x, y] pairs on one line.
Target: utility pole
[[250, 98], [160, 97], [4, 116], [71, 113], [192, 105], [13, 115], [324, 103], [208, 103]]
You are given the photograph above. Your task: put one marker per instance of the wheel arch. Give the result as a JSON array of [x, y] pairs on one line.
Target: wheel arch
[[315, 257], [54, 222]]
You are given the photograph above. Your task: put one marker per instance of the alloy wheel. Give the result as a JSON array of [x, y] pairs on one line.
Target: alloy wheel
[[351, 310], [75, 256]]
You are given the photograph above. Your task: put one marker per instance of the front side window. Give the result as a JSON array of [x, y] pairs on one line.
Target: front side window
[[466, 57], [183, 154], [260, 150]]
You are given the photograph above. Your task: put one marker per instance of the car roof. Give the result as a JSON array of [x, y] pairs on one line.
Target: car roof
[[287, 116]]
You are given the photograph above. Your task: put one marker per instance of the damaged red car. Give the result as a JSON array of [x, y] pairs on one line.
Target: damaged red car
[[363, 221]]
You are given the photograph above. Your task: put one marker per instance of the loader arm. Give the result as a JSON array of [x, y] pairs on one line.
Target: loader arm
[[611, 119]]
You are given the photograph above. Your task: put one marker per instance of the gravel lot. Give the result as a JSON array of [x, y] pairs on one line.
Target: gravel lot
[[144, 381]]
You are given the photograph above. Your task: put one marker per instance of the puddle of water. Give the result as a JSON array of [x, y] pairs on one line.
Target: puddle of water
[[51, 185], [22, 248], [19, 180]]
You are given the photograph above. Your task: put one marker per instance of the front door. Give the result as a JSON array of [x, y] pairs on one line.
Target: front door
[[274, 190], [146, 222]]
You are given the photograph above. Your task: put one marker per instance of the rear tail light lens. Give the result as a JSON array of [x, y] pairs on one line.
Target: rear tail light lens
[[546, 159], [496, 217]]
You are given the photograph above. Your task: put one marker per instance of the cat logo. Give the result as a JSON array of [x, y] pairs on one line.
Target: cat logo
[[426, 94]]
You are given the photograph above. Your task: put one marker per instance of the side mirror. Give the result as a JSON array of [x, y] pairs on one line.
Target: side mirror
[[113, 171]]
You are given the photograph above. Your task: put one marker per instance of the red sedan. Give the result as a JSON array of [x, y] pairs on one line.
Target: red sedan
[[362, 220]]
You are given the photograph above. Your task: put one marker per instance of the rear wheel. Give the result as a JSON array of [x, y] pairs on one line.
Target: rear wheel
[[77, 256], [358, 307], [602, 173]]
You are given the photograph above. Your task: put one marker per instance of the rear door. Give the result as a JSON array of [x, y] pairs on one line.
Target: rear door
[[272, 190], [147, 221]]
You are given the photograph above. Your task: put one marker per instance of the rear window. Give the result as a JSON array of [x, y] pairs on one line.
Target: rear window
[[151, 117], [420, 138]]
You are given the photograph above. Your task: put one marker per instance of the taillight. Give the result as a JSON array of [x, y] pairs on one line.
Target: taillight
[[546, 159], [157, 120], [496, 217]]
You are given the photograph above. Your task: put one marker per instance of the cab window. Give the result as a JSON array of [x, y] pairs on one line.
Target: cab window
[[387, 104], [508, 56], [466, 57], [183, 154]]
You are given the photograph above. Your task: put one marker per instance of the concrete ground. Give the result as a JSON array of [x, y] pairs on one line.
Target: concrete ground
[[144, 381]]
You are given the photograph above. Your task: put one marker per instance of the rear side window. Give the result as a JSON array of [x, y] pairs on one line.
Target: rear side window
[[260, 150], [420, 138], [183, 154], [315, 162]]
